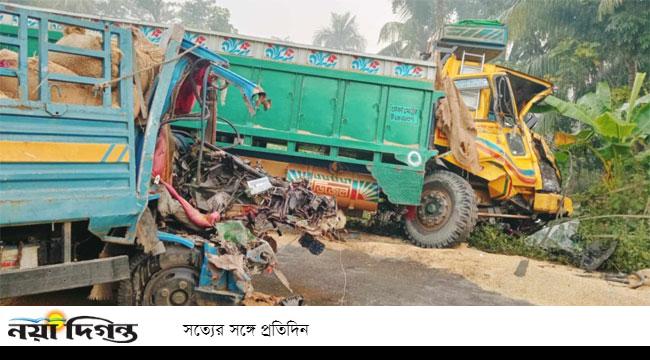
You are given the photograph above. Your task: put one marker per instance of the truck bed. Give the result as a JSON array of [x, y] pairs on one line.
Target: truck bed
[[61, 162]]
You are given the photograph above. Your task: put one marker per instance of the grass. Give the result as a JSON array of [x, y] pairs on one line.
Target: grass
[[626, 195], [492, 239]]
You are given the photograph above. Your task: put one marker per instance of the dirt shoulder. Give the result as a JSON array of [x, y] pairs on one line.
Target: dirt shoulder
[[543, 284]]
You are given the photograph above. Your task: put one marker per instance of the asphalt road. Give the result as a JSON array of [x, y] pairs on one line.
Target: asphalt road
[[369, 281], [365, 281]]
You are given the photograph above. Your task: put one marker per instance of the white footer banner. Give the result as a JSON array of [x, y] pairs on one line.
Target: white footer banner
[[221, 326]]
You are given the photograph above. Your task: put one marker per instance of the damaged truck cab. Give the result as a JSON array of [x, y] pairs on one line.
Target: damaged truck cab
[[518, 177]]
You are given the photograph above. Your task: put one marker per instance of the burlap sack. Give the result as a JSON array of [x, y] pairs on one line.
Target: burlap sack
[[457, 123], [61, 92], [3, 96], [149, 58], [83, 65], [66, 93]]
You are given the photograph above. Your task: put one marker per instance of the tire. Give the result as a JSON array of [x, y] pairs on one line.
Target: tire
[[448, 213], [165, 280]]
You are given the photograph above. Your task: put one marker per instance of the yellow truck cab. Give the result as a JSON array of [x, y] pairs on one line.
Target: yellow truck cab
[[519, 178]]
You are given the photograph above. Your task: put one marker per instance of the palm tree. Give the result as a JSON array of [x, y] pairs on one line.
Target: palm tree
[[343, 34], [408, 37], [607, 7], [579, 43], [420, 19]]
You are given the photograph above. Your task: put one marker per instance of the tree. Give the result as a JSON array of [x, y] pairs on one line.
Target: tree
[[409, 37], [205, 14], [585, 41], [342, 33], [156, 11], [420, 19], [95, 7], [199, 14], [616, 136]]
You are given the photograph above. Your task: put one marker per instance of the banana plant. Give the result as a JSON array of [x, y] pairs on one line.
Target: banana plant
[[621, 134]]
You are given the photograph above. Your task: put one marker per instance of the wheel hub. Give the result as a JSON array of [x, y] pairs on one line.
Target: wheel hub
[[435, 210], [171, 287]]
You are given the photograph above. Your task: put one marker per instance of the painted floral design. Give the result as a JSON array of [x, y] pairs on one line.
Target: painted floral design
[[323, 59], [153, 34], [236, 47], [280, 53], [406, 70], [197, 39], [359, 190], [366, 65]]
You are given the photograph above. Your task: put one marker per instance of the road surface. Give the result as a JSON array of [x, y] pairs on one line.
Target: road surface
[[340, 277], [352, 278]]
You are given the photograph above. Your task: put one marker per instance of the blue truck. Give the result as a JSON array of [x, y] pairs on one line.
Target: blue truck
[[76, 173]]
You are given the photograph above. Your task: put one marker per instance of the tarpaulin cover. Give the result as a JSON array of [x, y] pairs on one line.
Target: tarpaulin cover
[[457, 123], [478, 22]]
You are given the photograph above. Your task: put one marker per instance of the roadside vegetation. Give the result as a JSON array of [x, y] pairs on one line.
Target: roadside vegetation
[[621, 215], [613, 146]]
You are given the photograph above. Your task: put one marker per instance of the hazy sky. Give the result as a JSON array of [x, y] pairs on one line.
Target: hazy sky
[[299, 19]]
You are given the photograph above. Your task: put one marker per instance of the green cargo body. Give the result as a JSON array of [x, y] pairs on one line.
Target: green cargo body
[[381, 124], [32, 38]]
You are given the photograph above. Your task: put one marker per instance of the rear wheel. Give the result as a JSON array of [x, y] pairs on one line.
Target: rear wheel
[[165, 280], [448, 213]]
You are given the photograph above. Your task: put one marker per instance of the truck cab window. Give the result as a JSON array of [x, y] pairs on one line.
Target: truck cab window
[[504, 108], [470, 90]]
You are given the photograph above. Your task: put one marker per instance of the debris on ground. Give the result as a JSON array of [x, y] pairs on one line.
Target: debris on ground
[[545, 283], [563, 239], [634, 281], [259, 299], [218, 199], [642, 279], [522, 269]]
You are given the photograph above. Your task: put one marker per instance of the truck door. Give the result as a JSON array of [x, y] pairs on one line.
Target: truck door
[[529, 91], [512, 140]]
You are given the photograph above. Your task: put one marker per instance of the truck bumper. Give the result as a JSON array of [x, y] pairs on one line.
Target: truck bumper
[[59, 277], [552, 204]]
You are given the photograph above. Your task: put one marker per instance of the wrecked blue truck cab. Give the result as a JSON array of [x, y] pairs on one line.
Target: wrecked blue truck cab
[[76, 184]]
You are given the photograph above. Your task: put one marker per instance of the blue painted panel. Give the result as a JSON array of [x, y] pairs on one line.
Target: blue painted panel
[[175, 239], [41, 192]]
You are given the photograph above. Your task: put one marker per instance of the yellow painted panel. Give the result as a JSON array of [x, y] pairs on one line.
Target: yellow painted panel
[[550, 204], [115, 155], [56, 152]]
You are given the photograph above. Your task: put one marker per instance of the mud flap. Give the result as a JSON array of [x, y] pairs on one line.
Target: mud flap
[[147, 235]]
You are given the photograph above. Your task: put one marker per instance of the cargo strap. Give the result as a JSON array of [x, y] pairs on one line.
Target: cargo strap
[[144, 111]]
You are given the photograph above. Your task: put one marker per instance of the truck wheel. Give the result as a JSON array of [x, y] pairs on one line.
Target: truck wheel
[[448, 213], [165, 280]]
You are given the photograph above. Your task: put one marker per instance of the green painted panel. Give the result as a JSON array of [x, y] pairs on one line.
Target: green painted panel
[[410, 83], [234, 111], [280, 86], [402, 187], [32, 35], [361, 111], [404, 117], [318, 106], [341, 110]]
